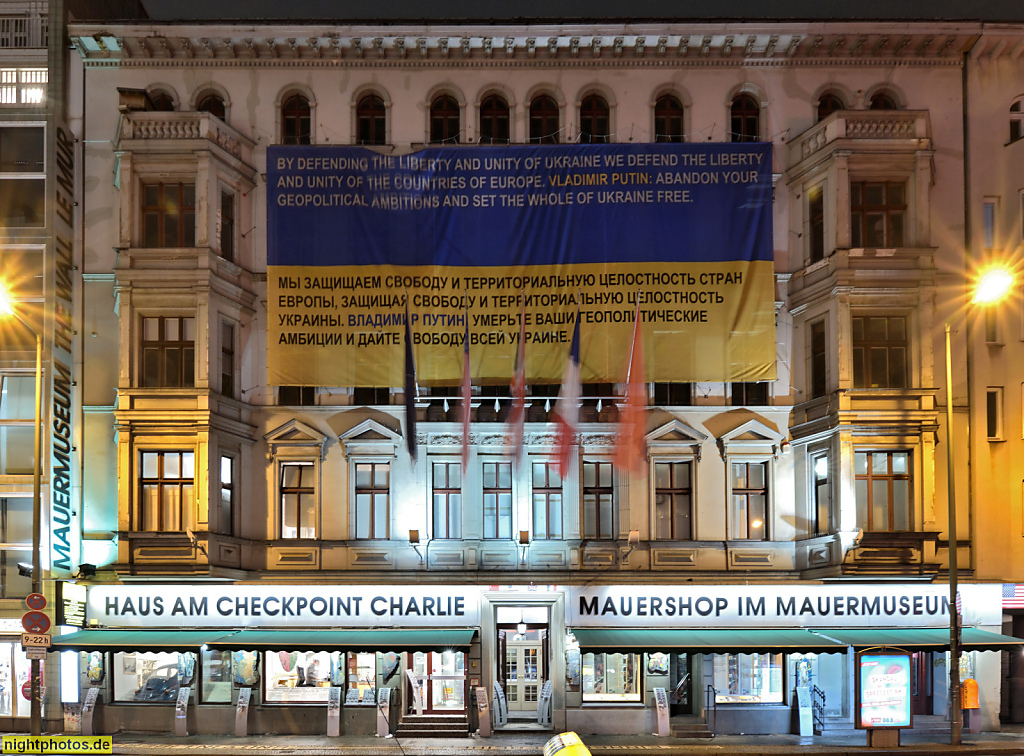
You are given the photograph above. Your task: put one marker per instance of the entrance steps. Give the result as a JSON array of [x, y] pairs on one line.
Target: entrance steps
[[434, 726], [938, 723], [836, 725], [689, 727]]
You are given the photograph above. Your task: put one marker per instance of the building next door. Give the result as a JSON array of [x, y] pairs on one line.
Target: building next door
[[524, 672], [442, 676]]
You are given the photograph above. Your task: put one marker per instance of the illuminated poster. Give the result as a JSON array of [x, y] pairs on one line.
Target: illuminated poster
[[485, 237], [883, 690]]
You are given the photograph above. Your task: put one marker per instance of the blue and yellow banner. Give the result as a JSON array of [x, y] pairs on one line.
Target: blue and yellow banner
[[495, 234]]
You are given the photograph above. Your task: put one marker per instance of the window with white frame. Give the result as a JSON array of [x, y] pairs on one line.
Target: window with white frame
[[821, 491], [673, 500], [994, 413], [749, 501], [228, 495], [372, 499], [882, 490], [16, 537], [599, 505], [497, 499], [298, 487], [547, 501], [22, 177], [17, 424], [988, 222], [166, 489], [23, 86], [446, 499], [1017, 120]]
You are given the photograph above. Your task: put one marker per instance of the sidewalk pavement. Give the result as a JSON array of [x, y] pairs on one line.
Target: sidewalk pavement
[[1009, 741]]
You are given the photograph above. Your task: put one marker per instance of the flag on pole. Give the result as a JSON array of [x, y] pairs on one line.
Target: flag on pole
[[467, 391], [516, 423], [629, 452], [1013, 595], [410, 388], [567, 414]]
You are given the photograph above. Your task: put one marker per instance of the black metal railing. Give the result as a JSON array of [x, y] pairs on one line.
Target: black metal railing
[[709, 707], [818, 709]]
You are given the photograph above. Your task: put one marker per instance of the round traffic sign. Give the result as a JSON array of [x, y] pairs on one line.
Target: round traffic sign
[[26, 690], [36, 601], [35, 622]]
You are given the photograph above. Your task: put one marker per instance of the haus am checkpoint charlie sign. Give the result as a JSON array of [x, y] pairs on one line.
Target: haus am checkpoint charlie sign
[[483, 243]]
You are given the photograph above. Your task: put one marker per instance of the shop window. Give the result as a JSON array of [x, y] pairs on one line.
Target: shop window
[[371, 120], [748, 678], [212, 104], [447, 500], [228, 495], [168, 215], [611, 677], [882, 100], [299, 677], [673, 394], [15, 672], [494, 120], [216, 677], [298, 500], [879, 351], [151, 677], [445, 117], [168, 352], [296, 121], [227, 359], [362, 671], [668, 119], [17, 424], [882, 490], [372, 499], [994, 413], [16, 535], [371, 395], [750, 394], [547, 501], [296, 396], [878, 212], [749, 492], [595, 120], [1017, 120], [828, 104], [599, 506], [673, 501], [544, 128], [23, 86], [822, 494], [818, 362], [227, 225], [497, 494], [22, 177], [816, 223], [166, 489], [744, 119]]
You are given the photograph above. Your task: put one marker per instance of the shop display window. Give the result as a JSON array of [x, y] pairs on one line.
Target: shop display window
[[611, 677], [299, 676], [215, 685], [748, 678], [15, 674], [151, 677]]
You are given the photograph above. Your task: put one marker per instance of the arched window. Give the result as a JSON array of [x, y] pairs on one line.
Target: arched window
[[828, 104], [212, 104], [295, 121], [594, 118], [668, 119], [494, 120], [882, 101], [745, 119], [544, 120], [1017, 120], [371, 120], [161, 101], [444, 120]]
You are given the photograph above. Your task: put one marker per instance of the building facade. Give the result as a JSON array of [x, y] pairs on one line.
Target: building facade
[[288, 528]]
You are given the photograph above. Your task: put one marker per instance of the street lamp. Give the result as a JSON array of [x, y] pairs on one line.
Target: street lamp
[[991, 287], [7, 308]]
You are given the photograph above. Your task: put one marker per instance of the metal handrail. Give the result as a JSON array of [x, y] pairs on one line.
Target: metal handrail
[[710, 694], [818, 708]]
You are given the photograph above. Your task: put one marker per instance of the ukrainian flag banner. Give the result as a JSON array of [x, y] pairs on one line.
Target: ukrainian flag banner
[[494, 236]]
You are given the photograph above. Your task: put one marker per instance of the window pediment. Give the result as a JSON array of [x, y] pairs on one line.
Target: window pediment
[[295, 437], [370, 437], [751, 437], [676, 436]]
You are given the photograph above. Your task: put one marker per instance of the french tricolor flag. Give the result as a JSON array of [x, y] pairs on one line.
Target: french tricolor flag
[[567, 413]]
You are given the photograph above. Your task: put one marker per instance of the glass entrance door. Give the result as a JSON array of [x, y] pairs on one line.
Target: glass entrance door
[[442, 678], [524, 674]]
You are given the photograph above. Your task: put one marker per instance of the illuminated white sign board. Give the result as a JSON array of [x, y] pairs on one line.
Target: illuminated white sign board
[[883, 691], [284, 606]]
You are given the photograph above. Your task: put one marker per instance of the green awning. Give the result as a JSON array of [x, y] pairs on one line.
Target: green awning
[[922, 639], [344, 640], [134, 640], [707, 641]]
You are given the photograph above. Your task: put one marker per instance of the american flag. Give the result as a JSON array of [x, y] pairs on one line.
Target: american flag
[[1013, 596]]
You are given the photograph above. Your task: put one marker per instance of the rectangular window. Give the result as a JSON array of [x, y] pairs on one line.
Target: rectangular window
[[598, 501], [149, 677], [22, 177], [673, 394], [750, 501], [880, 351], [227, 359], [370, 395], [816, 223], [447, 501], [227, 225], [882, 490], [17, 424], [298, 500], [16, 535], [988, 223], [216, 677], [673, 501], [497, 492], [547, 501], [819, 360], [13, 31], [994, 412], [822, 494], [296, 396], [748, 678], [23, 86], [991, 326], [299, 677], [750, 394], [372, 491], [168, 215], [227, 495], [611, 677], [168, 352], [877, 214], [166, 489]]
